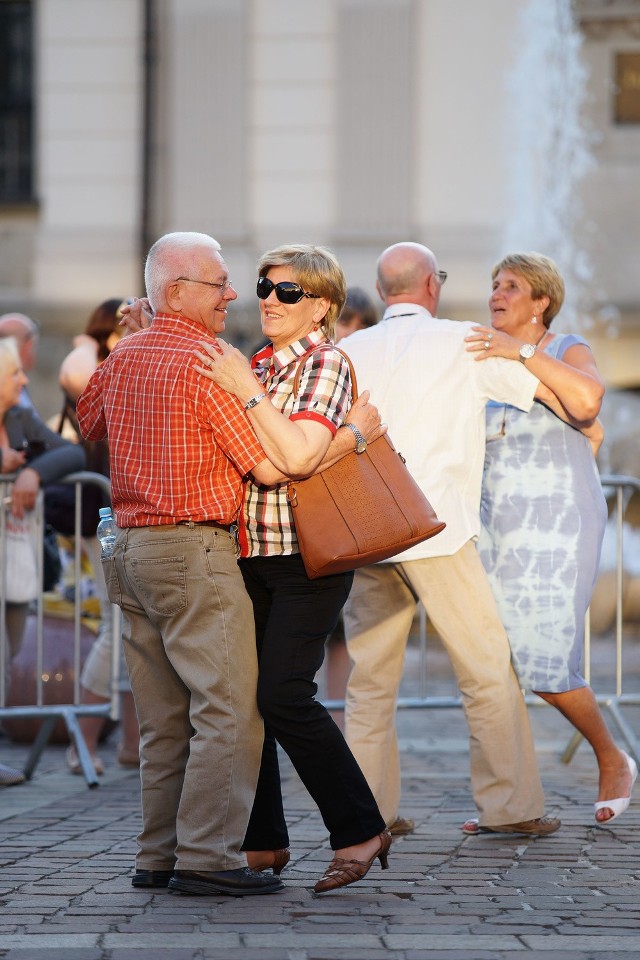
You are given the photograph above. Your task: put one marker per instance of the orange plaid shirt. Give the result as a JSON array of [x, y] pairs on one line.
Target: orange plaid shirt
[[178, 444]]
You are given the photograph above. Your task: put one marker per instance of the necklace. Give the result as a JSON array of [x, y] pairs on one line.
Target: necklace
[[503, 426]]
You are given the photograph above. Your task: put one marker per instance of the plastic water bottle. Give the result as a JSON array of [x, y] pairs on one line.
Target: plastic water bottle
[[106, 532]]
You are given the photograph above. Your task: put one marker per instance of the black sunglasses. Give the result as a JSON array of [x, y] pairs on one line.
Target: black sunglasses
[[286, 290]]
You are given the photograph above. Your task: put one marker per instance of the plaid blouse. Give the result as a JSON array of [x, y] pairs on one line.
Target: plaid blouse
[[179, 444], [324, 395]]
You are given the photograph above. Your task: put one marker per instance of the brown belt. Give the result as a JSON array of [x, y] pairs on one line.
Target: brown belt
[[205, 523]]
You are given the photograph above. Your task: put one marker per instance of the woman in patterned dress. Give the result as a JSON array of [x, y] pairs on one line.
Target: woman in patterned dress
[[543, 511]]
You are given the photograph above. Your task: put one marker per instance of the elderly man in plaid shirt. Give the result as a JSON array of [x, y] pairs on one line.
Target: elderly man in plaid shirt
[[179, 446]]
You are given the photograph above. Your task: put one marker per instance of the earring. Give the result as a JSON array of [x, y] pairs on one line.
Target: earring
[[534, 319]]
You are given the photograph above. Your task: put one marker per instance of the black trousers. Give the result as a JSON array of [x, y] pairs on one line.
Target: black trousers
[[293, 617]]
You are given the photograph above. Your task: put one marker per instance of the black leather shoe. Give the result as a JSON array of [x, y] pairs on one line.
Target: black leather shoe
[[234, 883], [151, 878]]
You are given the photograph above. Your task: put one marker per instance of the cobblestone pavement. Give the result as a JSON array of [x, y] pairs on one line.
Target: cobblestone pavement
[[67, 854]]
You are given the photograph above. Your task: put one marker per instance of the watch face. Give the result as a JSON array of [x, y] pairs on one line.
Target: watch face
[[361, 446], [527, 350]]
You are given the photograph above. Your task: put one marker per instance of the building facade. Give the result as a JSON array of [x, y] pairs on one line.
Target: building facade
[[353, 123]]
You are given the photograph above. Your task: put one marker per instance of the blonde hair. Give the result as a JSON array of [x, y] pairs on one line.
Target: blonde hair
[[543, 276], [317, 270]]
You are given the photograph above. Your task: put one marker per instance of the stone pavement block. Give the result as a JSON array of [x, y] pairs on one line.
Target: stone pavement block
[[466, 955], [429, 941], [67, 953], [352, 952], [49, 941], [154, 953], [596, 946], [165, 941]]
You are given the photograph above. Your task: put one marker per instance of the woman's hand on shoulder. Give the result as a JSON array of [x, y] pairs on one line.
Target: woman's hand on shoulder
[[486, 342], [136, 314], [228, 367]]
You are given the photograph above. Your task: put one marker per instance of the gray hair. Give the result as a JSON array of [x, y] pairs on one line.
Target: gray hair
[[9, 354], [165, 261]]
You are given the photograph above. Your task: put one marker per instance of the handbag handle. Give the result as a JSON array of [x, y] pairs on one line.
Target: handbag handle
[[305, 357]]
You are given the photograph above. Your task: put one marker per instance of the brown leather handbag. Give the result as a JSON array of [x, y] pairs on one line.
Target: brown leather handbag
[[365, 508]]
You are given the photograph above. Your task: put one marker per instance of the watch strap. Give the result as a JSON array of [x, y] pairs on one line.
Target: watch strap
[[254, 401], [359, 438]]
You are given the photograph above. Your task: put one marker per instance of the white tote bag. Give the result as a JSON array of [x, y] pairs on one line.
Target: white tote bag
[[21, 577]]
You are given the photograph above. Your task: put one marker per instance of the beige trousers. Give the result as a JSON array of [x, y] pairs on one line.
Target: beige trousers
[[189, 641], [458, 600]]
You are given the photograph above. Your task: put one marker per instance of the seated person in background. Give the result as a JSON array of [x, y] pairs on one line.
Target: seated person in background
[[36, 455]]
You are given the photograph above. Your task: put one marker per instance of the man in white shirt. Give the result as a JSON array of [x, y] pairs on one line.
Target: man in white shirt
[[432, 394]]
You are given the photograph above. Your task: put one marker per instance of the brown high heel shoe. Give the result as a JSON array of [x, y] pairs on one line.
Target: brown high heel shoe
[[341, 872], [280, 860]]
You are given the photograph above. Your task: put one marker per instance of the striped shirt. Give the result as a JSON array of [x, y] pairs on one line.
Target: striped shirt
[[179, 444], [324, 396]]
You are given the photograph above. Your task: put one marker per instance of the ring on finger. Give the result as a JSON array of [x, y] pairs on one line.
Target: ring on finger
[[487, 344], [489, 336]]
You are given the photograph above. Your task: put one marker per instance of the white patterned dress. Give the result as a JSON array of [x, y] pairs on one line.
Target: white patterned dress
[[543, 519]]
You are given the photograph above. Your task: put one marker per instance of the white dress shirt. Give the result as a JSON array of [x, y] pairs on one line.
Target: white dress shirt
[[432, 394]]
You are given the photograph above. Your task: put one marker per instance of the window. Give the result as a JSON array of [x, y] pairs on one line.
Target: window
[[627, 88], [16, 102]]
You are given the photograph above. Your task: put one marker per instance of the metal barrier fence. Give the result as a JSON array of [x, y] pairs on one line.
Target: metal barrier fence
[[618, 491], [50, 713]]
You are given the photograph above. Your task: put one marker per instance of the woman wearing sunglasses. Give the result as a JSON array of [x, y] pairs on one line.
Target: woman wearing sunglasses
[[301, 290]]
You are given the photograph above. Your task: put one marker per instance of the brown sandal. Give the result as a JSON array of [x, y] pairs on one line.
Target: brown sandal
[[341, 872], [280, 860]]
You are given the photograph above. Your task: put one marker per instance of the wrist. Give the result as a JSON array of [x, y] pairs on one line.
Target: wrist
[[361, 443], [253, 401]]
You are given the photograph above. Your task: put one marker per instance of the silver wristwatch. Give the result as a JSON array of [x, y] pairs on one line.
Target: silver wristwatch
[[527, 350], [250, 404], [361, 443]]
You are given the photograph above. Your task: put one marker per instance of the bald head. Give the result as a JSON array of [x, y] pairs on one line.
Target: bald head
[[407, 272], [25, 332]]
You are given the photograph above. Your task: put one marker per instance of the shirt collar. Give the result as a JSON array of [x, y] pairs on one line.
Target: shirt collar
[[177, 319], [405, 310], [269, 363]]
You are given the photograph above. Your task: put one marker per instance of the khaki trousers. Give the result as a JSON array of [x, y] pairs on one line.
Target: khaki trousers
[[189, 642], [457, 597]]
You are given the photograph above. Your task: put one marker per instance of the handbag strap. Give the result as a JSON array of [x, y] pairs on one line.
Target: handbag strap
[[331, 346], [63, 415]]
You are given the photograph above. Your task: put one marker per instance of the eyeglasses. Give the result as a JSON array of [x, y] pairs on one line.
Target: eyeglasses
[[286, 290], [442, 276], [207, 283]]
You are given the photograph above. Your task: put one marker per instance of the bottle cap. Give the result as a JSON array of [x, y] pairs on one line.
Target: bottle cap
[[104, 512]]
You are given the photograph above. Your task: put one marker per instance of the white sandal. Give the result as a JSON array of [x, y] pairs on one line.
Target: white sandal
[[620, 804]]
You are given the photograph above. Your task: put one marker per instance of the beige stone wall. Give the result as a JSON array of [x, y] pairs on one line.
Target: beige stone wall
[[353, 123]]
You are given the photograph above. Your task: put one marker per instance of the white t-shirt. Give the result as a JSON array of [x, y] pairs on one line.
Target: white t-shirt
[[432, 394]]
